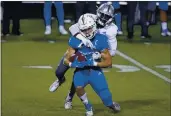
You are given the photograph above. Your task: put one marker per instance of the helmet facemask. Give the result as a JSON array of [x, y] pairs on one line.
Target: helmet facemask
[[104, 19], [89, 32], [105, 14]]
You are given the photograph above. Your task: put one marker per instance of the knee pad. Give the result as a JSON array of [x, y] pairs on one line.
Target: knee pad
[[106, 97]]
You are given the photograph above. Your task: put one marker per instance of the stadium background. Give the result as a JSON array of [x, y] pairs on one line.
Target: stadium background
[[35, 9], [24, 88]]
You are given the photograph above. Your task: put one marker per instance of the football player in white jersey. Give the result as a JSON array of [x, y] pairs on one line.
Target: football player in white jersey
[[105, 25]]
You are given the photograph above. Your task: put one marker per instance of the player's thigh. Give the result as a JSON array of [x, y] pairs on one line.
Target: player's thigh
[[61, 68], [151, 5], [98, 81], [116, 5], [163, 5], [79, 80]]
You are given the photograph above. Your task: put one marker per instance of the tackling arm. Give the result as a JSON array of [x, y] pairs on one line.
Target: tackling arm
[[69, 53], [74, 29], [111, 34], [75, 32]]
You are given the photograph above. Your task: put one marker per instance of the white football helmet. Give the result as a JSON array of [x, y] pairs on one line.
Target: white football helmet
[[87, 26], [105, 14]]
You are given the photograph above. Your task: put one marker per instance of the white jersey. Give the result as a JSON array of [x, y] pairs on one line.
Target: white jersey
[[110, 31]]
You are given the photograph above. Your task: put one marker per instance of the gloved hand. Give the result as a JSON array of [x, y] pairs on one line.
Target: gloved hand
[[96, 56], [91, 62], [87, 42]]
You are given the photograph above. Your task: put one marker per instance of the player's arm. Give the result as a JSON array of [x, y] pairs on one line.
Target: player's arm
[[106, 59], [111, 34], [70, 51], [74, 30]]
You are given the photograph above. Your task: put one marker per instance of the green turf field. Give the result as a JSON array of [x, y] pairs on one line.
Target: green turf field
[[25, 90]]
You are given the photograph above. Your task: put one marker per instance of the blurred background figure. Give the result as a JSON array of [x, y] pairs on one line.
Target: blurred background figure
[[151, 17], [59, 14], [118, 17], [163, 6], [84, 7], [11, 10], [131, 15]]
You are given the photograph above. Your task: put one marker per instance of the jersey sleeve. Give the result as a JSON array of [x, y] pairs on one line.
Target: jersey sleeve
[[74, 43], [74, 29], [112, 32]]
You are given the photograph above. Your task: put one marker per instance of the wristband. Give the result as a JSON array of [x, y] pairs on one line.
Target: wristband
[[95, 63], [70, 64]]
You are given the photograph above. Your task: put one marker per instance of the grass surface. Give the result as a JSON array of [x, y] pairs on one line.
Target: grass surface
[[25, 91]]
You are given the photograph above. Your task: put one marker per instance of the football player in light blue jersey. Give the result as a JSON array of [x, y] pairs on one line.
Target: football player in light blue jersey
[[105, 26], [89, 71]]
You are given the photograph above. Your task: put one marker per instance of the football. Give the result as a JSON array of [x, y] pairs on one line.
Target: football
[[79, 55]]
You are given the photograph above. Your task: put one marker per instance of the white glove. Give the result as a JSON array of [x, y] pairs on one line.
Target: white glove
[[96, 56], [85, 41]]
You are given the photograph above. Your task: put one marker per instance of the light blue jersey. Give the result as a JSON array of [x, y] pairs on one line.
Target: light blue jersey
[[100, 43], [92, 75]]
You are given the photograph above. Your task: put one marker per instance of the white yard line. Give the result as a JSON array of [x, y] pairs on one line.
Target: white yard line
[[143, 66]]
